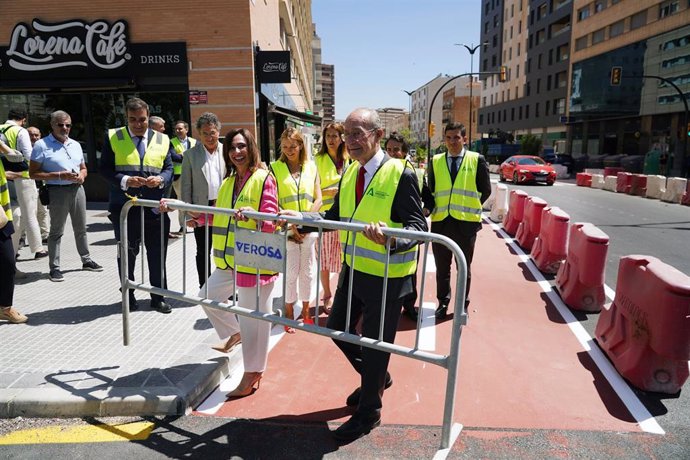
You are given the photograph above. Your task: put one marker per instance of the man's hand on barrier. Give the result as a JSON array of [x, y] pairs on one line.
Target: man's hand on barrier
[[163, 204], [374, 233]]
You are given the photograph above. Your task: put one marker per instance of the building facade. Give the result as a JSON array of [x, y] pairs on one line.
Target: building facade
[[650, 44], [89, 57], [532, 39]]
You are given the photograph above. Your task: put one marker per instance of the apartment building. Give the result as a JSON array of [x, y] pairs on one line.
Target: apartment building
[[650, 43], [532, 39]]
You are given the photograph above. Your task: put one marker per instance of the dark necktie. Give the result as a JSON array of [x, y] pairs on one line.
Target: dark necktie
[[453, 168], [141, 147], [359, 189]]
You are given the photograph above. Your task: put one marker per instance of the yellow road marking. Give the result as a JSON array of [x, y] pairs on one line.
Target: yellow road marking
[[137, 431]]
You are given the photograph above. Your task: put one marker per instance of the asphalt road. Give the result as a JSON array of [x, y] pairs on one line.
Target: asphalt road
[[635, 225]]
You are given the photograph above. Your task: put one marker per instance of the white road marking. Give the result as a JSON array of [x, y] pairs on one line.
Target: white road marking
[[427, 331], [644, 418]]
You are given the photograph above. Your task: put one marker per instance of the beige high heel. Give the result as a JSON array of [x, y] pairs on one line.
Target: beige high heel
[[246, 386], [229, 344]]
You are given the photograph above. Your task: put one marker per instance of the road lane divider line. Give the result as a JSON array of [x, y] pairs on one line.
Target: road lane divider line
[[642, 416]]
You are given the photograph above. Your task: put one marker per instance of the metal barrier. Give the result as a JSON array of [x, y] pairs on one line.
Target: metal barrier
[[448, 361]]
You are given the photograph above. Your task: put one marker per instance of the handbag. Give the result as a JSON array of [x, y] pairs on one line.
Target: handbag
[[44, 194]]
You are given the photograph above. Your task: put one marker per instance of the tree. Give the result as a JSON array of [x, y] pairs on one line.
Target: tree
[[530, 144]]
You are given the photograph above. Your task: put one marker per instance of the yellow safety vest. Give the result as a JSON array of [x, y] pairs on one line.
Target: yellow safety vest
[[460, 199], [127, 159], [328, 175], [5, 194], [11, 133], [180, 149], [375, 206], [296, 194], [222, 233]]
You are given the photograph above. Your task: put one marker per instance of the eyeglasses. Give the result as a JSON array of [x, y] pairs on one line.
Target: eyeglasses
[[64, 125], [238, 147], [358, 135]]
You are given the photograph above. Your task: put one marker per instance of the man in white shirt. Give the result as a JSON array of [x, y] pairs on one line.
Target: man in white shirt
[[203, 170]]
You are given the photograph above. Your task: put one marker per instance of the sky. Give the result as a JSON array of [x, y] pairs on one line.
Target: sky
[[382, 47]]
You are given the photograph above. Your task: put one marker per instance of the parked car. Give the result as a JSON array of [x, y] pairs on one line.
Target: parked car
[[526, 168], [559, 159]]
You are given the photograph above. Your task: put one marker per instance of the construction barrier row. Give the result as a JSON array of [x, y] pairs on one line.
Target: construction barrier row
[[671, 189], [645, 331]]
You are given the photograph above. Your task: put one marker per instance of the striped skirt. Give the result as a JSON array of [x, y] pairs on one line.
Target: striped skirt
[[330, 252]]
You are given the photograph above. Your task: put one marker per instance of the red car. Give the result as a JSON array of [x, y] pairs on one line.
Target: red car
[[526, 168]]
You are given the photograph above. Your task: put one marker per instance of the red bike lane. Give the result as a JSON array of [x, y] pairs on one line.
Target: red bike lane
[[521, 367]]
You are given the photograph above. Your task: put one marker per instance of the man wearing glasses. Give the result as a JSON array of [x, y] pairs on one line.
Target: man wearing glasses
[[136, 161], [59, 161], [380, 192]]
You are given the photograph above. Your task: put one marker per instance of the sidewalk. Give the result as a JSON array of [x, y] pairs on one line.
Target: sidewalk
[[69, 358]]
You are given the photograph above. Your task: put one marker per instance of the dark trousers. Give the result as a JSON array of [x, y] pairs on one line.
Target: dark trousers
[[203, 259], [8, 266], [152, 243], [465, 235], [366, 304]]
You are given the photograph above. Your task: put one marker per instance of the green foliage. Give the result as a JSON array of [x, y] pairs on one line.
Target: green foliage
[[530, 144]]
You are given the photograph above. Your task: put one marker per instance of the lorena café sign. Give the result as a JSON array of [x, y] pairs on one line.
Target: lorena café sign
[[79, 50]]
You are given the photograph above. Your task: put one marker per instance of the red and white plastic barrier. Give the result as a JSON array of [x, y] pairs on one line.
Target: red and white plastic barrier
[[638, 185], [598, 181], [686, 196], [583, 179], [623, 182], [580, 279], [610, 183], [675, 188], [516, 210], [550, 248], [528, 230], [645, 330], [499, 207], [656, 185]]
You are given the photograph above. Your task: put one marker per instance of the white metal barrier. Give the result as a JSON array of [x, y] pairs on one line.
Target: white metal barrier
[[448, 361]]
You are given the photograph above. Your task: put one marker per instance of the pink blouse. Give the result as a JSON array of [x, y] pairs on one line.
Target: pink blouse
[[269, 205]]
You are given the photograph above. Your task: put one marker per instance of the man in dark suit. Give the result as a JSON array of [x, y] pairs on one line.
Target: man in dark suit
[[458, 185], [387, 195], [136, 161]]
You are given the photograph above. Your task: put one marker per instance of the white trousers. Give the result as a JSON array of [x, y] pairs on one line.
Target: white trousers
[[301, 266], [27, 197], [43, 219], [255, 333]]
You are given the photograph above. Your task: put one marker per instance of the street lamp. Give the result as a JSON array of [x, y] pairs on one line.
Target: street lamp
[[471, 49], [409, 109]]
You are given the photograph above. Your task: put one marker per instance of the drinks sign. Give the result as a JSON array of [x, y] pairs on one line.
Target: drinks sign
[[68, 44]]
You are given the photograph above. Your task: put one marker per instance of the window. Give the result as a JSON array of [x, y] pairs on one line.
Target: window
[[486, 27], [563, 52], [536, 110], [561, 106], [583, 13], [539, 62], [680, 60], [547, 107], [581, 43], [541, 11], [538, 85], [508, 93], [677, 43], [638, 20], [599, 5], [616, 28], [551, 56], [598, 36], [512, 114], [520, 113], [668, 8], [526, 110], [548, 85], [528, 88], [517, 72], [518, 49]]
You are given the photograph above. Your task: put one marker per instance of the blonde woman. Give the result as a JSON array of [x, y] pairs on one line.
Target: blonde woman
[[298, 189], [331, 162]]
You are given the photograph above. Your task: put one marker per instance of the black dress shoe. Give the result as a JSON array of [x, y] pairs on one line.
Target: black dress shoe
[[133, 304], [442, 311], [161, 306], [356, 427], [410, 312], [353, 399]]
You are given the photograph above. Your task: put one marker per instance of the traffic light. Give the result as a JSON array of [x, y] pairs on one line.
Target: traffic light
[[503, 74], [616, 75], [432, 129]]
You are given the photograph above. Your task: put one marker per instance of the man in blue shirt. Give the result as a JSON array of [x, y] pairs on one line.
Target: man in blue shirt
[[59, 161]]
